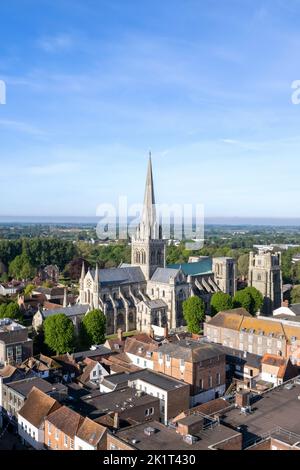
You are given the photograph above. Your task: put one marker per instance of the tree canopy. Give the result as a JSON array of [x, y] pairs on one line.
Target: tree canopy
[[249, 298], [93, 328], [220, 302], [295, 295], [194, 313], [11, 310], [59, 333]]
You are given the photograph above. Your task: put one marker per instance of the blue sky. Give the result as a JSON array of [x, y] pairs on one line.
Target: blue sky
[[92, 85]]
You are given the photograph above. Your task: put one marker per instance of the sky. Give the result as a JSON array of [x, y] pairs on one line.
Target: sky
[[206, 85]]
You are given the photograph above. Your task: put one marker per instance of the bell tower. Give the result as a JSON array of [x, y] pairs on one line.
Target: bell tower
[[148, 248]]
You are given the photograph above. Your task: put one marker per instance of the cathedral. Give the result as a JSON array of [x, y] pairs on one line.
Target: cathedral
[[147, 294]]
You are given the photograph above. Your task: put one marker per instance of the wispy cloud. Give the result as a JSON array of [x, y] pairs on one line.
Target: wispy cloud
[[20, 126], [57, 43], [53, 169]]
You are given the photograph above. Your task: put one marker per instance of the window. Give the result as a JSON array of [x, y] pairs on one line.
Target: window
[[182, 363], [71, 444], [49, 443], [168, 358], [218, 378], [163, 293], [151, 410], [113, 447], [56, 434], [94, 373], [210, 382], [137, 360], [145, 363], [66, 441], [160, 355], [147, 412], [49, 428], [201, 383]]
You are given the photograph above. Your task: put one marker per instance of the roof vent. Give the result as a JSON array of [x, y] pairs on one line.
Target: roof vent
[[149, 431], [189, 439]]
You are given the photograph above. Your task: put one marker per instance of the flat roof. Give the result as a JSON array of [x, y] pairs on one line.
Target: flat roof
[[155, 378], [279, 407], [166, 438]]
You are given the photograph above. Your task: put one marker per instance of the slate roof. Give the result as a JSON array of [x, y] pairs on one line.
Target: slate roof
[[158, 303], [164, 275], [295, 308], [100, 351], [74, 310], [23, 387], [191, 351], [203, 266], [124, 275]]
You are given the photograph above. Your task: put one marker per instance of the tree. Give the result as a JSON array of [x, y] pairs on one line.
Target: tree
[[243, 299], [11, 310], [21, 268], [243, 265], [194, 313], [220, 302], [59, 333], [28, 290], [93, 328], [257, 298], [295, 295]]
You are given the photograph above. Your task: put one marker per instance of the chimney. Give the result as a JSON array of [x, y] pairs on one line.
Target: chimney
[[242, 398], [116, 421], [120, 334], [166, 331]]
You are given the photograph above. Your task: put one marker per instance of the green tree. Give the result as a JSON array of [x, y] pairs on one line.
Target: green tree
[[220, 302], [257, 299], [243, 265], [295, 295], [11, 310], [93, 328], [243, 299], [28, 290], [194, 313], [59, 333]]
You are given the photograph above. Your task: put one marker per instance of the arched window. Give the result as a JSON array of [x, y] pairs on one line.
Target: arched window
[[120, 319], [143, 257], [137, 257]]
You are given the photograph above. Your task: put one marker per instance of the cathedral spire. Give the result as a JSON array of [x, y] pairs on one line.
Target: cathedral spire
[[148, 221], [97, 274]]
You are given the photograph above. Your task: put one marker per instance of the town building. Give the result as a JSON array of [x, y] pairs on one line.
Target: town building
[[199, 364], [31, 417], [191, 434], [278, 335], [15, 345]]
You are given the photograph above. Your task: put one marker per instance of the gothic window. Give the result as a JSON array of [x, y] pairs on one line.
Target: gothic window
[[163, 293], [259, 277], [137, 257], [159, 257], [88, 283], [143, 257], [130, 317], [120, 319], [153, 257]]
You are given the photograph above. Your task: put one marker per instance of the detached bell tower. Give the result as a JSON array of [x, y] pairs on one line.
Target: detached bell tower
[[148, 247]]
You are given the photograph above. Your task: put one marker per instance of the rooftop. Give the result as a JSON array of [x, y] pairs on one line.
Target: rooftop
[[23, 387], [278, 407], [191, 350], [204, 266], [166, 438]]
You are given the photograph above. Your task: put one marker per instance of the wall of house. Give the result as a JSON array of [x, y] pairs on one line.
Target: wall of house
[[55, 439], [30, 434]]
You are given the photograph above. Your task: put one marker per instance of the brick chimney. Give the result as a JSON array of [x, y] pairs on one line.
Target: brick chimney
[[116, 421], [242, 398], [120, 334]]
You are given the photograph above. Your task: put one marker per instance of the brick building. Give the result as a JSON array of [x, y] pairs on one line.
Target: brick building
[[199, 364]]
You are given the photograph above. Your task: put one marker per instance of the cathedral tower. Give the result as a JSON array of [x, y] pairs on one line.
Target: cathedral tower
[[265, 274], [148, 247]]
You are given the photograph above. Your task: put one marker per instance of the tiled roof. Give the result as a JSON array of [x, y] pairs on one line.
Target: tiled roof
[[209, 408], [23, 387], [68, 311], [230, 319], [66, 420], [139, 348], [37, 406], [7, 371], [91, 432]]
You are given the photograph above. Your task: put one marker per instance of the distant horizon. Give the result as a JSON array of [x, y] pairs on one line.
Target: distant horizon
[[209, 220]]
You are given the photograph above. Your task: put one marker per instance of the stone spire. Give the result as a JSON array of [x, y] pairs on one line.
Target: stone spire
[[82, 271], [148, 225], [97, 274]]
